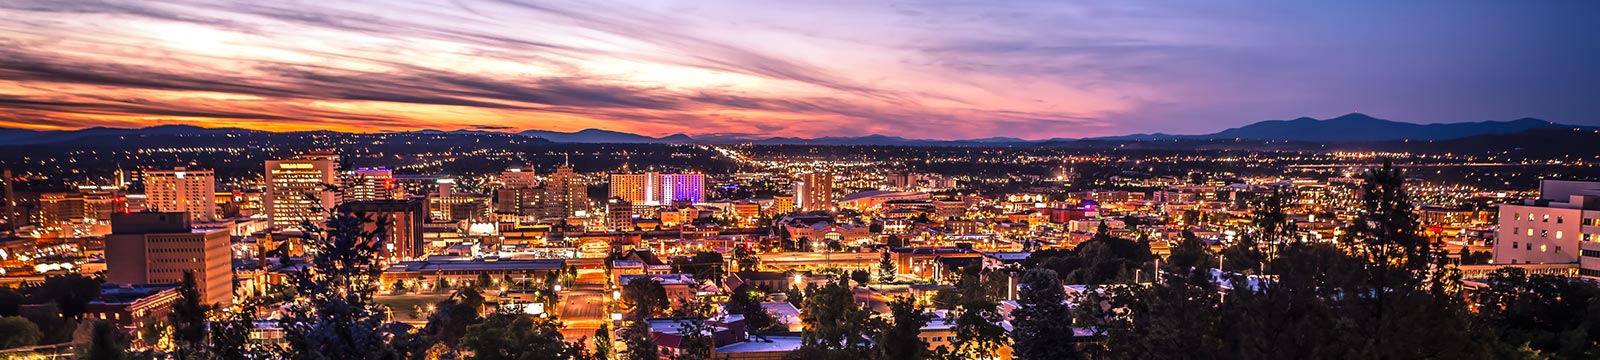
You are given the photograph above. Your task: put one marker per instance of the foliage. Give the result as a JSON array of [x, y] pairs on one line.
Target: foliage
[[746, 301], [514, 336], [1042, 322], [644, 298], [333, 315], [188, 319], [1557, 317], [105, 343], [16, 331], [71, 293], [834, 324], [886, 267], [901, 339]]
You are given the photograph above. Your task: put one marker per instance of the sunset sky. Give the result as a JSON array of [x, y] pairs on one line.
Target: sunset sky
[[918, 69]]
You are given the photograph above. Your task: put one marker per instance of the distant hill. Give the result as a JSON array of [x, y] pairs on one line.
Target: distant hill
[[1350, 128], [9, 136], [1355, 127], [604, 136]]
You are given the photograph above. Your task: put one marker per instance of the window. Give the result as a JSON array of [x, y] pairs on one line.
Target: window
[[1558, 249], [1530, 231], [1544, 233], [1558, 234], [1560, 219], [1546, 218], [1543, 248], [1514, 245]]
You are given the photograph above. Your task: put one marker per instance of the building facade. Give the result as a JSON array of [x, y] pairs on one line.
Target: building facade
[[184, 190], [1561, 226], [157, 248], [297, 190]]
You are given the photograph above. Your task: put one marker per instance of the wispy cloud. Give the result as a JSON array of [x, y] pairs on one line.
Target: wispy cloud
[[914, 69]]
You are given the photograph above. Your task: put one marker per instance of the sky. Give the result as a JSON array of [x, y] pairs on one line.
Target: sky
[[749, 68]]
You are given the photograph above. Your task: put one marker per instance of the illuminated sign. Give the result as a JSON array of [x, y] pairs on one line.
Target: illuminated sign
[[296, 166]]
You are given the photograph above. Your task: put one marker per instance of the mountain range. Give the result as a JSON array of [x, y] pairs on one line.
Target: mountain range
[[1354, 127]]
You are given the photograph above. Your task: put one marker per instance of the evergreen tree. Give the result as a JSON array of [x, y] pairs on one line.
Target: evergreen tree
[[105, 343], [1042, 322], [602, 342], [644, 297], [516, 336], [902, 338], [188, 319], [834, 325], [333, 315], [230, 335], [746, 301], [639, 345], [886, 268]]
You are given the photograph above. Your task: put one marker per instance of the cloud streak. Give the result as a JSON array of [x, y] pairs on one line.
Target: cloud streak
[[923, 70]]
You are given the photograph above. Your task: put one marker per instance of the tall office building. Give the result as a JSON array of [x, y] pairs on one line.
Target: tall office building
[[372, 184], [688, 188], [658, 189], [619, 214], [1561, 226], [565, 193], [297, 190], [158, 247], [634, 188], [519, 178], [100, 201], [182, 190], [813, 191]]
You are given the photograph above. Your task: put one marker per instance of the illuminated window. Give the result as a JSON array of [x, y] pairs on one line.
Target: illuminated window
[[1530, 231], [1542, 248], [1558, 234], [1546, 217]]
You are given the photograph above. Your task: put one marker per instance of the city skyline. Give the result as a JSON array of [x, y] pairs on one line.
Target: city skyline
[[934, 71]]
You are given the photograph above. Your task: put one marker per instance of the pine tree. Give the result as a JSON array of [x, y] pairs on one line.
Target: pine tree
[[188, 319], [1042, 322], [902, 339], [333, 315], [834, 325], [886, 268]]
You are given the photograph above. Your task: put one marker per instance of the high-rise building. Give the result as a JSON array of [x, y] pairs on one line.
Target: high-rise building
[[518, 193], [158, 247], [565, 193], [619, 214], [658, 189], [1561, 226], [372, 184], [813, 191], [100, 201], [689, 188], [634, 188], [402, 235], [58, 208], [518, 178], [297, 190], [182, 190]]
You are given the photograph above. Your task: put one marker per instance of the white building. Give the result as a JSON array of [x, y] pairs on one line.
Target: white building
[[182, 190], [1561, 226]]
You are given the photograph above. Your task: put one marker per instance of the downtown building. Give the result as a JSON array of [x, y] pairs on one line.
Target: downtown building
[[813, 191], [297, 190], [158, 247], [1561, 226], [651, 189], [372, 184], [182, 190]]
